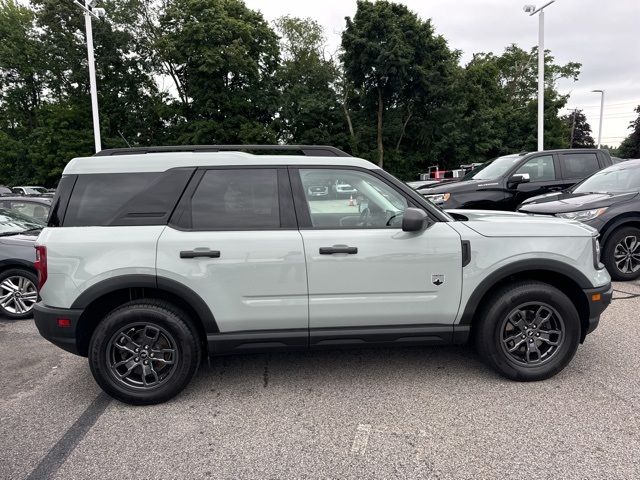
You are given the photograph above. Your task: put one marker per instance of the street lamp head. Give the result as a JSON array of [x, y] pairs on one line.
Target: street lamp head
[[91, 3], [529, 8], [598, 91], [99, 12]]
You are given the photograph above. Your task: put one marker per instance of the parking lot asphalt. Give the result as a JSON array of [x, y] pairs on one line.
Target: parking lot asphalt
[[375, 413]]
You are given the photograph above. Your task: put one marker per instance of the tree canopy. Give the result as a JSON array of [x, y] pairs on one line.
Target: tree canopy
[[215, 71]]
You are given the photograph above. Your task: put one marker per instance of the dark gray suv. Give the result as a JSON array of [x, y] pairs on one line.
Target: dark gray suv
[[609, 201]]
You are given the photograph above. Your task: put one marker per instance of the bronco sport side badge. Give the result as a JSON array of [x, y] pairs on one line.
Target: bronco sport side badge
[[437, 279]]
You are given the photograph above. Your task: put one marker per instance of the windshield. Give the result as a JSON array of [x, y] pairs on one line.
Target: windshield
[[13, 222], [494, 169], [615, 180]]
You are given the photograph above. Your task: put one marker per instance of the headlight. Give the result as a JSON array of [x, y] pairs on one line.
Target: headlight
[[582, 215], [438, 198], [596, 254]]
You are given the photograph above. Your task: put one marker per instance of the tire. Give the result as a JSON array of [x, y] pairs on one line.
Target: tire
[[494, 339], [117, 353], [18, 293], [621, 242]]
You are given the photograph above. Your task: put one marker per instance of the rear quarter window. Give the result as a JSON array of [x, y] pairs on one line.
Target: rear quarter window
[[125, 198]]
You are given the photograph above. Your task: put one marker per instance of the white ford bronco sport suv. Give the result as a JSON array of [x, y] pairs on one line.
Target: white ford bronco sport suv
[[156, 257]]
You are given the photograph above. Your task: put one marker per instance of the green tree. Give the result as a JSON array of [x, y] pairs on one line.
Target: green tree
[[580, 136], [222, 57], [630, 146], [398, 67], [309, 108]]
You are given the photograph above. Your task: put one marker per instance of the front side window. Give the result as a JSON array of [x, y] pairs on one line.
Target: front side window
[[540, 169], [350, 199], [228, 199]]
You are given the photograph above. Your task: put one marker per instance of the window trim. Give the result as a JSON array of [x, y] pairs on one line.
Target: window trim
[[301, 205], [285, 198]]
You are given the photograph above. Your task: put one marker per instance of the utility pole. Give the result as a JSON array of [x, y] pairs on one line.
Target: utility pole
[[573, 126], [531, 10]]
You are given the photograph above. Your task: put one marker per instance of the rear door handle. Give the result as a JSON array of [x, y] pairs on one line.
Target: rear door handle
[[200, 253], [338, 249]]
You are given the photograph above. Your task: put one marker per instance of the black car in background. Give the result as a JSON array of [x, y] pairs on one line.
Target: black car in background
[[507, 181], [18, 291], [610, 202]]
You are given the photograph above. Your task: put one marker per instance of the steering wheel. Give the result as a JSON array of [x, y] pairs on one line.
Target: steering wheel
[[394, 215]]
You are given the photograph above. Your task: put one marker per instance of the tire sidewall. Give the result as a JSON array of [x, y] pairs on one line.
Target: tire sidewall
[[18, 272], [186, 344], [609, 250], [493, 323]]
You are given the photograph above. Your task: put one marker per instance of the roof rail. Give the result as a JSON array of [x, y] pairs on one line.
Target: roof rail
[[307, 150]]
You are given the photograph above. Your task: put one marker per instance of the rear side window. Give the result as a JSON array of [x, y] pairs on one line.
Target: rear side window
[[234, 199], [125, 198], [579, 165]]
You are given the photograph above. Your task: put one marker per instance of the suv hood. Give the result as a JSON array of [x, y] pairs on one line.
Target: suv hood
[[490, 223], [571, 202]]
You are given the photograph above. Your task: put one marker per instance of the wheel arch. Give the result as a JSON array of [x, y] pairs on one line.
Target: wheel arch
[[17, 263], [565, 278], [101, 298], [629, 219]]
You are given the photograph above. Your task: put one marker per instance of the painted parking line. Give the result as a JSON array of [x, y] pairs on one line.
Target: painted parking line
[[57, 455], [361, 440]]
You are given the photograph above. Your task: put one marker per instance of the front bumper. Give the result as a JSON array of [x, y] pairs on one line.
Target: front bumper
[[598, 300], [65, 337]]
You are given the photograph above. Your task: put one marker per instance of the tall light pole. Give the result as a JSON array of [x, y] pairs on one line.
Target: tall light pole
[[531, 10], [601, 92], [90, 11]]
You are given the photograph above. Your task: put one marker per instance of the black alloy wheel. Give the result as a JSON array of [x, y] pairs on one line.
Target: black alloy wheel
[[527, 330], [144, 352]]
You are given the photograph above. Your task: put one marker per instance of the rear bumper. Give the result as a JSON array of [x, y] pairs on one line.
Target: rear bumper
[[597, 306], [46, 319]]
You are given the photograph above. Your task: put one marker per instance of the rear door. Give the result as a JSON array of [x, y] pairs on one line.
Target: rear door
[[363, 271], [233, 240]]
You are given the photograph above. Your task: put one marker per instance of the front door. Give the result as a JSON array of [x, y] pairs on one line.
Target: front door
[[363, 270]]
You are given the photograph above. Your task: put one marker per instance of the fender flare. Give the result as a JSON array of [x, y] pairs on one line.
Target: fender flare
[[521, 266], [618, 222], [122, 282]]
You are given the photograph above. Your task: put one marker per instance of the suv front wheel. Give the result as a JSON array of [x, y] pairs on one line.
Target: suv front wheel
[[144, 352], [528, 331]]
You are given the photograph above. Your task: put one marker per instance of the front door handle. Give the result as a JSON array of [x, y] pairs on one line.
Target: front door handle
[[338, 249], [200, 253]]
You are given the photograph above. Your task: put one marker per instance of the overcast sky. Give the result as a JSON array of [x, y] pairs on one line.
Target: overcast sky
[[603, 35]]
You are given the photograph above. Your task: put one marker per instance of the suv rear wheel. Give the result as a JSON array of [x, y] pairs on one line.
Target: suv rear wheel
[[528, 331], [144, 352], [621, 254]]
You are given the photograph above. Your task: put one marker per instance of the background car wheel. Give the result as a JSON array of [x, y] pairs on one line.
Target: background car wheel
[[528, 331], [18, 293], [144, 352], [621, 254]]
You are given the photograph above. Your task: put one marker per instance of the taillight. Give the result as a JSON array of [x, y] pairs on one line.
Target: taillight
[[41, 264]]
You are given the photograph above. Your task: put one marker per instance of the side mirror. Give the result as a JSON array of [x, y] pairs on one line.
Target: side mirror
[[519, 178], [414, 220]]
